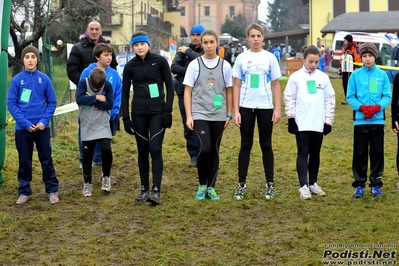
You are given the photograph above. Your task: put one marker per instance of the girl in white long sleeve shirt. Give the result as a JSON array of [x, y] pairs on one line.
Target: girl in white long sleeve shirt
[[310, 106]]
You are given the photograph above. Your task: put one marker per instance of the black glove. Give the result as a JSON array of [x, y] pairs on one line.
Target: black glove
[[166, 120], [128, 124], [327, 129], [339, 73], [292, 126]]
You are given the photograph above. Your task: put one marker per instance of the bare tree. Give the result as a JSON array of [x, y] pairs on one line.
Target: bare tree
[[36, 15]]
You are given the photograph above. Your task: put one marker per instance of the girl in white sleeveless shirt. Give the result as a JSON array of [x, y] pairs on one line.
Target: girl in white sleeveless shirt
[[208, 103]]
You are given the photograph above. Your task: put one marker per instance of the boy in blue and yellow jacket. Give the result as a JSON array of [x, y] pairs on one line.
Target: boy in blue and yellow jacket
[[369, 93]]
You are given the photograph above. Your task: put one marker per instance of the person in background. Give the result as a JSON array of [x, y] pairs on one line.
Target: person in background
[[309, 105], [369, 93], [324, 61], [228, 53], [238, 51], [150, 112], [103, 54], [350, 54], [293, 52], [31, 101], [179, 66], [329, 53], [95, 99], [81, 56], [208, 101], [256, 97], [221, 51], [277, 52]]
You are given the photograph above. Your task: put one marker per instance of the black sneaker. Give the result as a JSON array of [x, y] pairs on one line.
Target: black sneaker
[[154, 196], [142, 196]]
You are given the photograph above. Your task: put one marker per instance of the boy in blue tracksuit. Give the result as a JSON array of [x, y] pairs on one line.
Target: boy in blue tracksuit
[[31, 101], [102, 52], [369, 93]]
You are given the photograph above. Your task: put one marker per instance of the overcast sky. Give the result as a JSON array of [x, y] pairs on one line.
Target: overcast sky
[[262, 9]]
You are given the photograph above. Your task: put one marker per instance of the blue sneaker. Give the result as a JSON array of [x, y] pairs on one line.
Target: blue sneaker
[[376, 191], [359, 191], [201, 193], [212, 194]]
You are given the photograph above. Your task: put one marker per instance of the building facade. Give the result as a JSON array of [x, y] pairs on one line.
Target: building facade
[[212, 14], [160, 19], [321, 12]]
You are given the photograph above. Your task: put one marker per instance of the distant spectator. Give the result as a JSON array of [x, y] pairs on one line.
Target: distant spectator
[[228, 53], [350, 54], [221, 51], [324, 60], [277, 52], [238, 50], [328, 52], [293, 52]]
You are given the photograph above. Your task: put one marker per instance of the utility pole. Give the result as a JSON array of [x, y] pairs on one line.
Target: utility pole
[[199, 13]]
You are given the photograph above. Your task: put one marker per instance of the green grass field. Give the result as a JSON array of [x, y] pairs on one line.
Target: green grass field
[[112, 229]]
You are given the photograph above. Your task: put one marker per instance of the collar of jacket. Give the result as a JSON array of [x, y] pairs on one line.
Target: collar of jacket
[[146, 56]]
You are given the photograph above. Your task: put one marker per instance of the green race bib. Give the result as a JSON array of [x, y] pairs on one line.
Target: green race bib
[[25, 96], [373, 86], [154, 92], [254, 81], [311, 86], [217, 101]]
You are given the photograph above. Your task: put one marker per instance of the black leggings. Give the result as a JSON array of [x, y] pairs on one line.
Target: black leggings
[[106, 157], [209, 135], [265, 128], [149, 138], [308, 158]]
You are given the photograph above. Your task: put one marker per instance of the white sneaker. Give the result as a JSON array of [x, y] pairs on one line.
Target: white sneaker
[[87, 189], [106, 184], [315, 189], [304, 192], [22, 199], [113, 182]]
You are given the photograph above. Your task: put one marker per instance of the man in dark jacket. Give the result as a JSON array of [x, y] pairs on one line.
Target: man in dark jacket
[[182, 58], [82, 53], [80, 57]]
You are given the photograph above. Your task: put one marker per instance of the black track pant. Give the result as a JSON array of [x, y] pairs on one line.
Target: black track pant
[[366, 136]]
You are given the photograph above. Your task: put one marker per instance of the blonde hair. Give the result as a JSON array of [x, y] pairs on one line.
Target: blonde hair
[[255, 26]]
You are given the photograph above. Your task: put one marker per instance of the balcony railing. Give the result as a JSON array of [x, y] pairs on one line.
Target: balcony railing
[[112, 20], [159, 24]]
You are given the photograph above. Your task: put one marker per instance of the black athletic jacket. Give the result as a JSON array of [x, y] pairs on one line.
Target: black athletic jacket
[[154, 69], [180, 64]]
